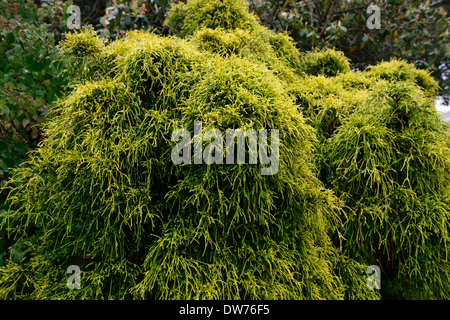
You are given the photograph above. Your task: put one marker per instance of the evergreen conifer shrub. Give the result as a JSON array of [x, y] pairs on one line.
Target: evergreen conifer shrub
[[102, 192], [384, 150], [197, 14], [328, 62], [362, 179], [390, 160]]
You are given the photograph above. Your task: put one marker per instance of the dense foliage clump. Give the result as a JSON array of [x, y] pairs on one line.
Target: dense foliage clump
[[385, 152], [106, 196], [327, 62], [362, 179]]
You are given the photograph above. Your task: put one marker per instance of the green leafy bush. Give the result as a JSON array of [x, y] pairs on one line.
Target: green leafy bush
[[121, 16], [29, 85], [399, 70]]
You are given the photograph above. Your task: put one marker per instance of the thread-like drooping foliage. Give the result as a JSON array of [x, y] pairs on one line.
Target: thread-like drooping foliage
[[227, 28], [328, 62], [103, 193], [275, 50], [224, 14], [385, 151]]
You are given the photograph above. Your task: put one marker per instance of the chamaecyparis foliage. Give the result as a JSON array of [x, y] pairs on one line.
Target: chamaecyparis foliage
[[102, 192], [384, 150]]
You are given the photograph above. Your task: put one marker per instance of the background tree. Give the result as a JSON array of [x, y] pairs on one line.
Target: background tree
[[414, 30]]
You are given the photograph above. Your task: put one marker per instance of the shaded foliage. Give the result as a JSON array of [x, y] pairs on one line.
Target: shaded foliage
[[29, 85], [120, 16]]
